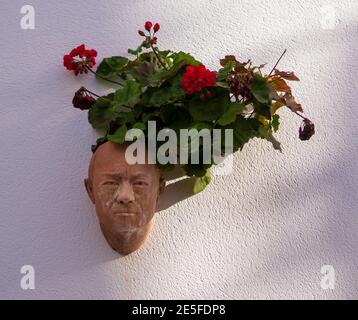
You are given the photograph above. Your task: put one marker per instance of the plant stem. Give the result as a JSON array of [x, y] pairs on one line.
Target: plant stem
[[300, 115], [96, 95], [273, 69], [97, 75], [92, 93], [160, 60]]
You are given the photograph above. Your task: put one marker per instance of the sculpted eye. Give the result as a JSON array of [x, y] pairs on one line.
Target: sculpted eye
[[110, 183], [140, 183]]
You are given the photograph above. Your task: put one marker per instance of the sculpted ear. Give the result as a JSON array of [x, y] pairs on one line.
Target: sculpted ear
[[162, 183], [88, 185]]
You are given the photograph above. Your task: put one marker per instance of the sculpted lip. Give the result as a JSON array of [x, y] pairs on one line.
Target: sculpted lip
[[124, 213]]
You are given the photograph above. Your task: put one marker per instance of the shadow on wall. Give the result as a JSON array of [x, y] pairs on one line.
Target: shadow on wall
[[333, 240], [330, 240]]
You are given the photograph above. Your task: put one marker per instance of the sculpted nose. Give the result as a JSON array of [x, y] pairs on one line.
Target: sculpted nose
[[124, 194]]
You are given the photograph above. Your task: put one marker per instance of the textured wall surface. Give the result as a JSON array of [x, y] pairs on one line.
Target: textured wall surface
[[265, 231]]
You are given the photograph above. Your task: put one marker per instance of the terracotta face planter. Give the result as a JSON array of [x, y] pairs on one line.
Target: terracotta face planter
[[125, 196]]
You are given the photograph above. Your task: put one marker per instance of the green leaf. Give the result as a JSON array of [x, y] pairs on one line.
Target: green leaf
[[167, 56], [169, 113], [201, 125], [260, 89], [222, 84], [147, 56], [102, 112], [176, 118], [230, 115], [138, 109], [142, 73], [169, 92], [110, 67], [119, 135], [128, 95], [275, 122], [180, 60], [243, 129], [202, 182], [265, 133], [165, 53], [131, 135], [194, 143], [135, 52], [176, 89], [125, 117], [140, 125], [160, 97], [263, 109], [159, 77], [224, 72], [186, 58], [150, 116], [210, 109], [163, 75]]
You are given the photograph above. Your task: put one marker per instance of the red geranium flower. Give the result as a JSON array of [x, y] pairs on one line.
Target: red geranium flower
[[87, 59], [197, 78]]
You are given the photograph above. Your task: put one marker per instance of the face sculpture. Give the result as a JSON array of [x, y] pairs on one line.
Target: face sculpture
[[125, 196]]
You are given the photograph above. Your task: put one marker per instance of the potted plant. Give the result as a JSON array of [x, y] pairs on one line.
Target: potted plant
[[170, 91]]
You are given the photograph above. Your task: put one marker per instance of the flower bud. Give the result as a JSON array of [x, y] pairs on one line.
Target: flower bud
[[148, 25], [141, 33], [306, 130], [156, 27]]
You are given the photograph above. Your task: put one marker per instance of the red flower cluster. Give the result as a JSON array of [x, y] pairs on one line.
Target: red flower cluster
[[149, 39], [87, 59], [197, 78]]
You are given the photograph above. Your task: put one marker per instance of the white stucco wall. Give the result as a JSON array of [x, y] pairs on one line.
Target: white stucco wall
[[264, 231]]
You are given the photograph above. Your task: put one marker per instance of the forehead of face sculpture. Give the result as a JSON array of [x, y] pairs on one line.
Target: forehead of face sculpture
[[109, 159]]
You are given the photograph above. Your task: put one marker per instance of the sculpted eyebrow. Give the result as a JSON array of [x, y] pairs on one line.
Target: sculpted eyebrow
[[113, 175], [141, 175], [120, 175]]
